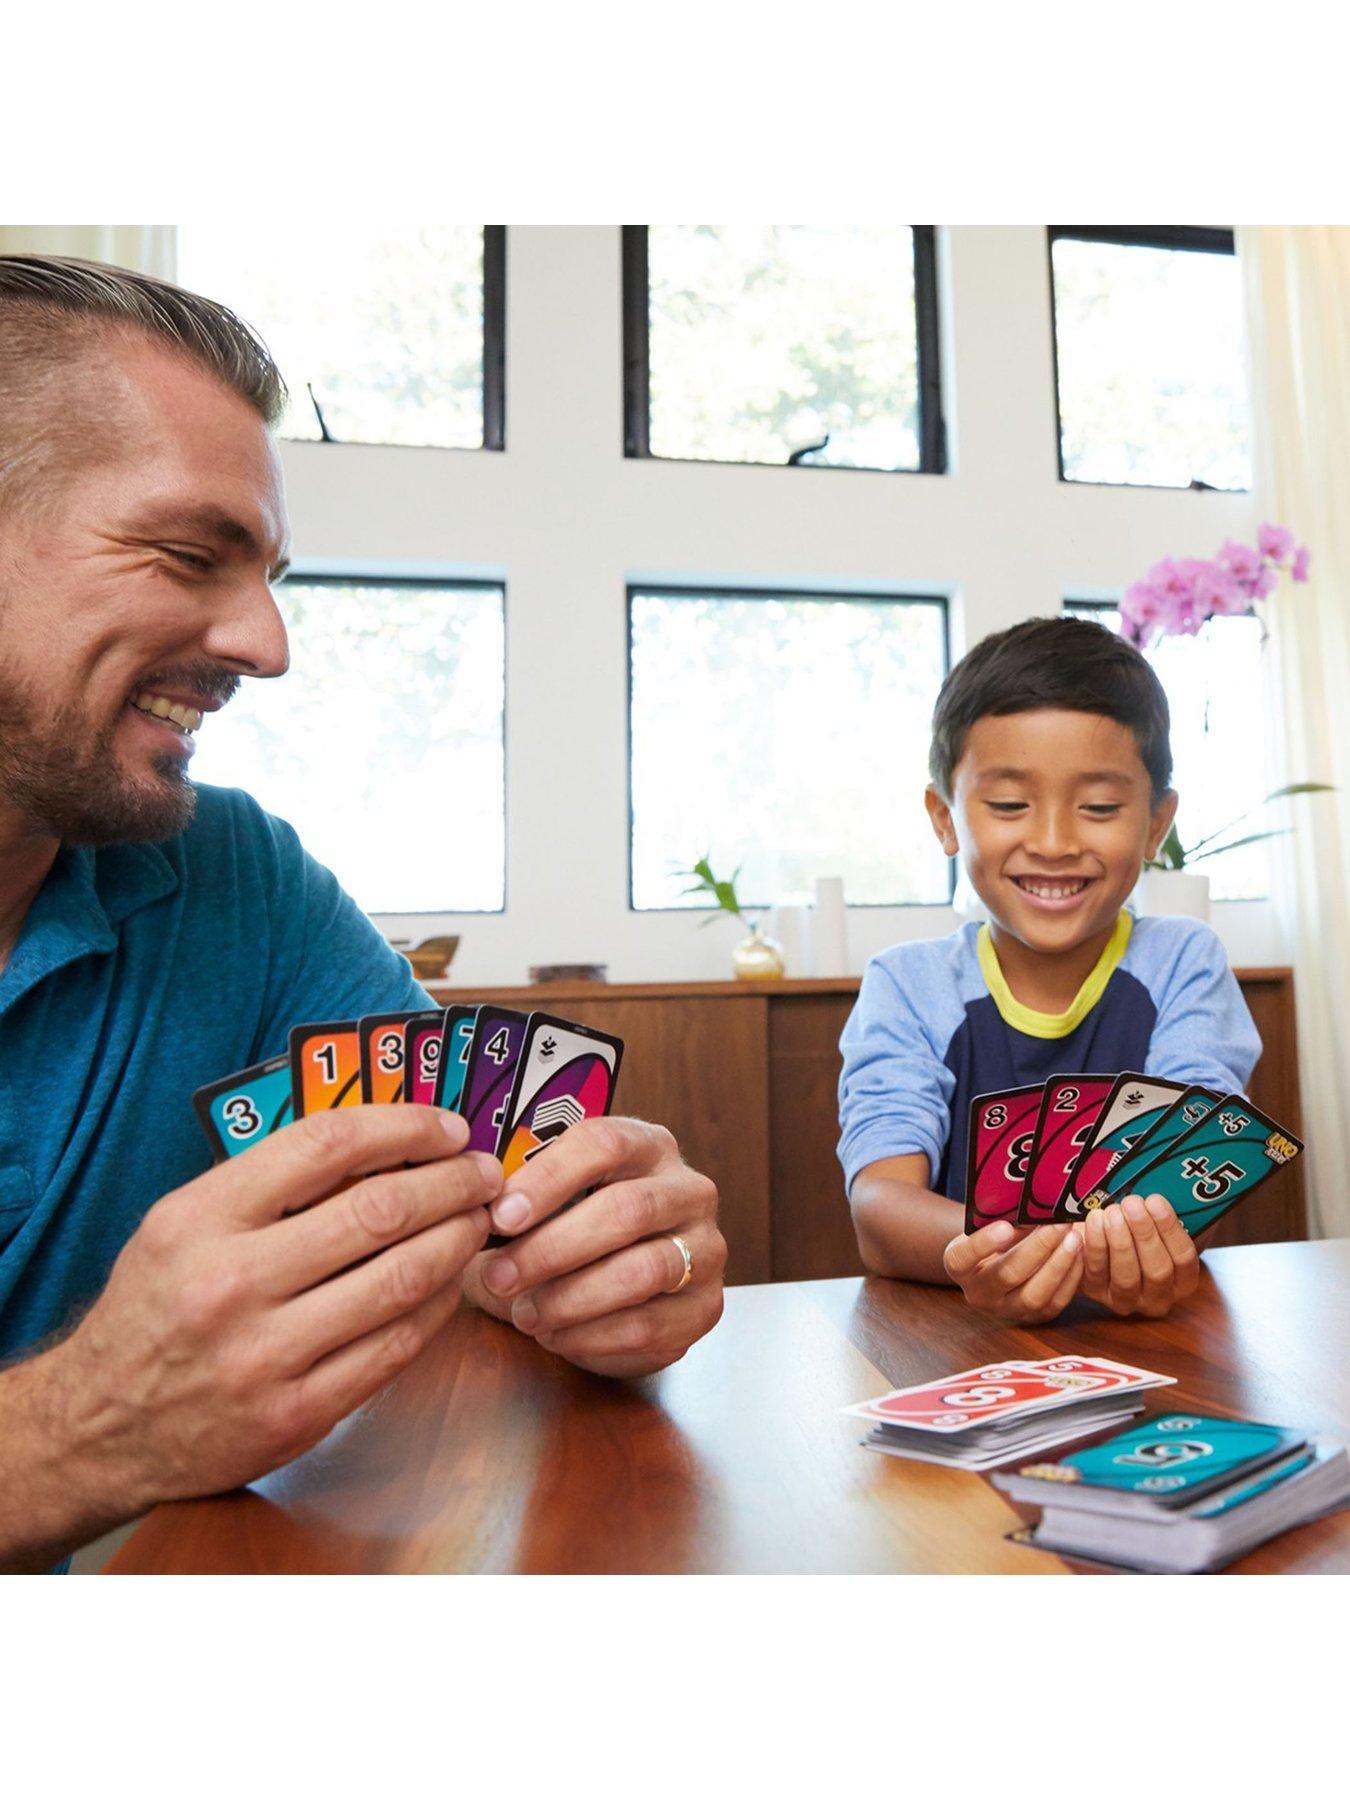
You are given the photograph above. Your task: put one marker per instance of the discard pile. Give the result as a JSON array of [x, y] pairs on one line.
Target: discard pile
[[519, 1079], [1046, 1154], [983, 1417], [1181, 1493]]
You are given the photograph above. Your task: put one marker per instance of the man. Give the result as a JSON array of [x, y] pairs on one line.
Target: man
[[154, 936]]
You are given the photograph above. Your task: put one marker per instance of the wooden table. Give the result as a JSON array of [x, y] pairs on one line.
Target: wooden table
[[489, 1455]]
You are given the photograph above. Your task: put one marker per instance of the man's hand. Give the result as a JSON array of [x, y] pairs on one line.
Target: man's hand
[[1024, 1277], [596, 1283], [252, 1310], [1138, 1258]]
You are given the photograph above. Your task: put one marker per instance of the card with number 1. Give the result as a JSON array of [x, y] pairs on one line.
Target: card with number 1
[[325, 1066]]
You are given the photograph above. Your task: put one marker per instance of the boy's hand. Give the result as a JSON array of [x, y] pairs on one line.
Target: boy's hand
[[1027, 1276], [1138, 1258]]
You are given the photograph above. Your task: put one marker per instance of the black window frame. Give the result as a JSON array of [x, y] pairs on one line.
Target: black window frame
[[494, 337], [1213, 240], [301, 577], [637, 364], [721, 591]]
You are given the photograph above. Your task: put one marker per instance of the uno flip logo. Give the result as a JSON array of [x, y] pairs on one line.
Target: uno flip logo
[[1279, 1148]]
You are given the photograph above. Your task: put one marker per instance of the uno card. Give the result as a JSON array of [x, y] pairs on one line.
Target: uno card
[[325, 1066], [566, 1073], [1002, 1127], [494, 1051], [1070, 1107], [244, 1108], [1172, 1458], [1208, 1169], [422, 1056], [381, 1037], [1133, 1107], [1192, 1106], [456, 1037], [1000, 1390]]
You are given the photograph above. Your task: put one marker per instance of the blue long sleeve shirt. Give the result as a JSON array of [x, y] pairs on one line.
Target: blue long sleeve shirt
[[935, 1024]]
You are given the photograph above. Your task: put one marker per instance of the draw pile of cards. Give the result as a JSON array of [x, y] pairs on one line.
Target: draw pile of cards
[[519, 1079], [1180, 1493], [983, 1417], [1042, 1155]]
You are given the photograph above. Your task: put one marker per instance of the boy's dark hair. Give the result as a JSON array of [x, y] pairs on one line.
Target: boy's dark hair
[[1070, 664]]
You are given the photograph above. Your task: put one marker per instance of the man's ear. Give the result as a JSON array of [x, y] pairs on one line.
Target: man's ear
[[941, 815], [1161, 822]]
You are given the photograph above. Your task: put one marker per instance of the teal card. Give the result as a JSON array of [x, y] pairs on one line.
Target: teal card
[[1150, 1141], [1174, 1457], [455, 1041], [242, 1109], [1208, 1169]]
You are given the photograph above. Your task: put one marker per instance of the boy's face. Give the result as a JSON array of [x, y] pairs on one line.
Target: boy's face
[[1052, 817]]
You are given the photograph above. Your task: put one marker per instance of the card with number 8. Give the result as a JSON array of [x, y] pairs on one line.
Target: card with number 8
[[1002, 1132]]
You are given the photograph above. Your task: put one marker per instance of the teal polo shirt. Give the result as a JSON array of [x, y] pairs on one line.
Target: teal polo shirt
[[142, 972]]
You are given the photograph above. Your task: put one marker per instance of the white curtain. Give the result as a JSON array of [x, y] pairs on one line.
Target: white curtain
[[150, 249], [1297, 282]]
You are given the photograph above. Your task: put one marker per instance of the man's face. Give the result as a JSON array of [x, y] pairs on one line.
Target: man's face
[[138, 587], [1052, 817]]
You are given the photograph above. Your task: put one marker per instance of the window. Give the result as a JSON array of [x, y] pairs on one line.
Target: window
[[397, 330], [756, 343], [786, 733], [1214, 691], [1149, 356], [383, 746]]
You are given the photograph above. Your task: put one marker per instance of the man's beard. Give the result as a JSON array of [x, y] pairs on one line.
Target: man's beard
[[67, 782]]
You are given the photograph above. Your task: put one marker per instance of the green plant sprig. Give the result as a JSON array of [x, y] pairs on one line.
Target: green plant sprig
[[1172, 856], [723, 892]]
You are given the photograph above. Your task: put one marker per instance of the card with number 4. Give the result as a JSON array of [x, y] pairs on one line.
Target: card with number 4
[[494, 1051]]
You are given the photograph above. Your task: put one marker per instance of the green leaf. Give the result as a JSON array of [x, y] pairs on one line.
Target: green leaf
[[1302, 787], [1170, 853], [1254, 837]]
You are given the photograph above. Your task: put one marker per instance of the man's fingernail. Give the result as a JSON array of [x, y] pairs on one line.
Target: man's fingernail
[[453, 1126], [1157, 1206], [500, 1275], [525, 1314], [511, 1212], [1134, 1207]]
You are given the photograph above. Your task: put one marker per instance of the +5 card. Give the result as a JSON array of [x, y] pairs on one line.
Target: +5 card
[[325, 1066], [456, 1039], [422, 1056], [494, 1051], [381, 1037], [1206, 1171], [566, 1073], [1070, 1107], [1133, 1107], [243, 1108], [1002, 1127], [1192, 1106]]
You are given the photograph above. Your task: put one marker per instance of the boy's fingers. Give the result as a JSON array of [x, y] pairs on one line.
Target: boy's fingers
[[1065, 1291], [1155, 1259], [1125, 1277], [1180, 1243], [1064, 1260], [965, 1253], [1096, 1256], [1019, 1264]]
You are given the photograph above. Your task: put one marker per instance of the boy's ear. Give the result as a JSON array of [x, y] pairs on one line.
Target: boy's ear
[[941, 815], [1161, 822]]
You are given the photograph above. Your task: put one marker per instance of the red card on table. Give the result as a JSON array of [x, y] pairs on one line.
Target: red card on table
[[999, 1390], [1002, 1130], [1071, 1106]]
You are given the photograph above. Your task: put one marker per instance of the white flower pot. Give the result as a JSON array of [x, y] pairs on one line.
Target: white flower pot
[[1175, 892]]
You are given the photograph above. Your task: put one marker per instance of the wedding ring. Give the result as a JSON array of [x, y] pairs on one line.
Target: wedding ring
[[688, 1274]]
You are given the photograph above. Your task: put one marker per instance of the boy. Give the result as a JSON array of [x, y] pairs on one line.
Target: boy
[[1051, 771]]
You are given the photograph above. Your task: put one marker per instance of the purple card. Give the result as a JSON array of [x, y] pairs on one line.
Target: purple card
[[498, 1038]]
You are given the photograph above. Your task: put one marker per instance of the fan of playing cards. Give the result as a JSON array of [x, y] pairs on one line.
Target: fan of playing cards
[[1037, 1155], [519, 1079]]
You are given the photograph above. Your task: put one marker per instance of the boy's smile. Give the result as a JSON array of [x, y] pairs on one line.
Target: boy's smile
[[1052, 815]]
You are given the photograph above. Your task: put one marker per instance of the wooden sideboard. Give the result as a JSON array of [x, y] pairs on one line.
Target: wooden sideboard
[[745, 1075]]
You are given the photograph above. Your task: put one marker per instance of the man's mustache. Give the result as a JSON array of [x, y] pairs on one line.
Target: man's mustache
[[205, 679]]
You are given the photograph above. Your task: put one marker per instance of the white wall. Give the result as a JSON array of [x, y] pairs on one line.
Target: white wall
[[567, 522]]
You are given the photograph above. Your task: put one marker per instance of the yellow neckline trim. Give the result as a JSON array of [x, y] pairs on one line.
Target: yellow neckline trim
[[1051, 1025]]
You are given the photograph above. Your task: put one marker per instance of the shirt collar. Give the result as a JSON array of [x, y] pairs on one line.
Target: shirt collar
[[86, 896]]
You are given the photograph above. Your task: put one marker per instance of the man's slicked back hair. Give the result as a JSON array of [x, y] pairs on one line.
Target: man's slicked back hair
[[1071, 665], [58, 312]]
